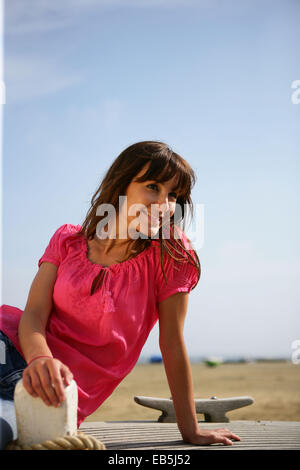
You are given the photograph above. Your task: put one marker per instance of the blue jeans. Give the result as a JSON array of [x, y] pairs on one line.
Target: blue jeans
[[12, 365]]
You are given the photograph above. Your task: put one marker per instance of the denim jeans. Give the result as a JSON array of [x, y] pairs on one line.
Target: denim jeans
[[12, 365]]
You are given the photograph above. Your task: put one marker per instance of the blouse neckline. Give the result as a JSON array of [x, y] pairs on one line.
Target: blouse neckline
[[85, 253]]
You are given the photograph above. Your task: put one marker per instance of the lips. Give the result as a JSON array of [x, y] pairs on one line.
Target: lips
[[153, 220]]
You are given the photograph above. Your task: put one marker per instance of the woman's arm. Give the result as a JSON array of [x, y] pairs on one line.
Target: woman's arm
[[33, 321], [172, 312], [45, 375]]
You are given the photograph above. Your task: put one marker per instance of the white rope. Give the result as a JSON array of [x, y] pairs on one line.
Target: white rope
[[79, 441]]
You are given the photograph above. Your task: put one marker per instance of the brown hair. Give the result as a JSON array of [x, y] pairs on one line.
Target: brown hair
[[164, 164]]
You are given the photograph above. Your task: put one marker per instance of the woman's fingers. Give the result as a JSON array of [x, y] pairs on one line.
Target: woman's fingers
[[226, 436], [226, 441], [46, 378], [66, 374], [27, 385], [227, 433], [57, 375], [214, 436], [51, 386], [39, 387], [235, 437]]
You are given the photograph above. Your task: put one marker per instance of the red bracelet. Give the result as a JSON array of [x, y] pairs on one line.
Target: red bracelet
[[37, 357]]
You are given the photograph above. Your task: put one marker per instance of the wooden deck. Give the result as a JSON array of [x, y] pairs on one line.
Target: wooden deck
[[152, 435]]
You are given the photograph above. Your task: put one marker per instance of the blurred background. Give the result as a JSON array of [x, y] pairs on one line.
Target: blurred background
[[84, 79]]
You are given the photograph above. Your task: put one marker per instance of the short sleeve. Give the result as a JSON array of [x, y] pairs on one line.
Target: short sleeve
[[182, 276], [56, 250]]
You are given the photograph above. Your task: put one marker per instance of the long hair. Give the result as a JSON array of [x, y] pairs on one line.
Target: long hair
[[164, 165]]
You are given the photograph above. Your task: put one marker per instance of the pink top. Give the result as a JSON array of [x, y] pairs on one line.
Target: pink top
[[100, 336]]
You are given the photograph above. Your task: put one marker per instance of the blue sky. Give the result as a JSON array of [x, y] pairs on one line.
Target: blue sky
[[86, 79]]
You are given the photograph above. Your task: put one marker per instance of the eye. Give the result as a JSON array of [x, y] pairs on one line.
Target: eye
[[173, 195], [152, 185]]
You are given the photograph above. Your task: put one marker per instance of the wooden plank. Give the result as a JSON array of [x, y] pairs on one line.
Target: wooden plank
[[151, 435]]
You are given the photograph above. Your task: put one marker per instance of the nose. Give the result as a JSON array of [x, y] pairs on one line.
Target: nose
[[163, 204]]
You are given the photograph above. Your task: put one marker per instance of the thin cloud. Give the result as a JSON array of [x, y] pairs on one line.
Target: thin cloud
[[34, 16], [31, 77]]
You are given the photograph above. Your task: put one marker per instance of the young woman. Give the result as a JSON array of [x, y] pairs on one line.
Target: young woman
[[94, 300]]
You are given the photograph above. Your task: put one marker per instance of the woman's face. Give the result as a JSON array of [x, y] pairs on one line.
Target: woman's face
[[149, 204]]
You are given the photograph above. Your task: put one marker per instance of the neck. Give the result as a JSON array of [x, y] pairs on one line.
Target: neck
[[113, 240]]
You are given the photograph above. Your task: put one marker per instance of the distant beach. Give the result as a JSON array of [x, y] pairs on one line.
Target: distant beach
[[274, 386]]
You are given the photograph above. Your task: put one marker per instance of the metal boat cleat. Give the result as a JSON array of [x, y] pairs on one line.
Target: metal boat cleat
[[214, 409]]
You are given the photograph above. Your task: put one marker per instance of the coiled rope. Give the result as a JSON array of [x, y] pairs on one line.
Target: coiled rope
[[79, 441]]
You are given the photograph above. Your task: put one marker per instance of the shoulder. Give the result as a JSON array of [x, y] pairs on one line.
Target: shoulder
[[177, 249], [64, 235], [180, 270], [69, 228], [178, 242], [66, 231], [180, 235], [59, 244]]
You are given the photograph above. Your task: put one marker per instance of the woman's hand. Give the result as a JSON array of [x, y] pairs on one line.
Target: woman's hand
[[46, 378], [207, 436]]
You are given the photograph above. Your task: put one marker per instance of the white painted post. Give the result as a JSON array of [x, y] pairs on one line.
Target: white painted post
[[37, 422]]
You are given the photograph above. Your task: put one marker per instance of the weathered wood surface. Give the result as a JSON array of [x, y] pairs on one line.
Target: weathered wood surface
[[151, 435]]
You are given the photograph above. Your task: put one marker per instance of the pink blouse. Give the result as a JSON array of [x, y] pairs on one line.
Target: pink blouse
[[100, 336]]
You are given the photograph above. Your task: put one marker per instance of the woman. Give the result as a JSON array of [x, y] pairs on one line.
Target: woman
[[94, 300]]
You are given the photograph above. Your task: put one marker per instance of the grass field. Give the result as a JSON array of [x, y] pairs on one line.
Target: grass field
[[274, 386]]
